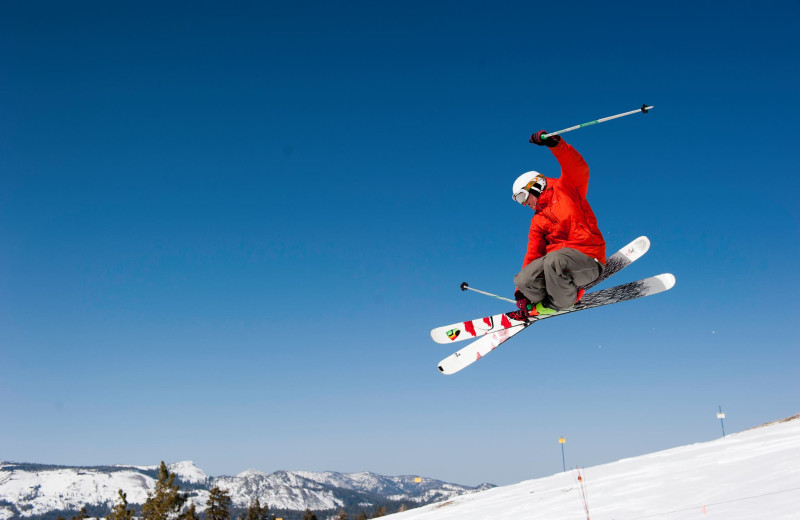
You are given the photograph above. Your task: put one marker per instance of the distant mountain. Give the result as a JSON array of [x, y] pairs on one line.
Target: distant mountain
[[46, 491]]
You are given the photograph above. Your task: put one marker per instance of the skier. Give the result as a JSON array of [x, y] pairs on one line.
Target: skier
[[565, 247]]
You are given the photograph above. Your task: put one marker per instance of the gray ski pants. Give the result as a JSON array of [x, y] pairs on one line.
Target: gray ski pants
[[558, 276]]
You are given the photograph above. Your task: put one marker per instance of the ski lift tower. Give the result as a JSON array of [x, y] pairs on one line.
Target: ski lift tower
[[721, 417]]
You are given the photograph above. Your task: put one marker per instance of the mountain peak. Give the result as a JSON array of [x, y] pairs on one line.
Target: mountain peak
[[188, 472], [251, 473]]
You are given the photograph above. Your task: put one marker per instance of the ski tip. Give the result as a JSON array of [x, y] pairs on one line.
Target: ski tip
[[643, 242], [446, 335], [449, 365], [668, 279]]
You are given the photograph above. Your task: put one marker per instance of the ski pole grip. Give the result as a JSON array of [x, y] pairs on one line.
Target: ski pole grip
[[464, 286]]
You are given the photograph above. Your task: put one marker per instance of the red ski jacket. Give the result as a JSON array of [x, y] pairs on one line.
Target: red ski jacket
[[563, 216]]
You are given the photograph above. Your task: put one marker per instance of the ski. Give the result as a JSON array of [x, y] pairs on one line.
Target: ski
[[629, 291], [490, 324]]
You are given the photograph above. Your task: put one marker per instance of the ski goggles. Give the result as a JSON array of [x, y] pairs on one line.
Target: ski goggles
[[535, 188], [522, 196]]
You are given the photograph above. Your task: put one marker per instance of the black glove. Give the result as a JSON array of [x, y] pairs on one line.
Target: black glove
[[547, 141], [522, 301]]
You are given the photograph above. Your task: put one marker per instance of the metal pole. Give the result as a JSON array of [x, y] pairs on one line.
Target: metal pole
[[721, 417], [465, 287], [563, 441], [644, 109]]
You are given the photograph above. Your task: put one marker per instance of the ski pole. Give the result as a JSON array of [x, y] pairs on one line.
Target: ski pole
[[465, 286], [643, 110]]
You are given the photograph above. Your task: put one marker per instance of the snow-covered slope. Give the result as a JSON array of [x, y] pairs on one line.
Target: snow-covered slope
[[35, 489], [745, 476], [35, 492], [28, 490], [748, 475], [285, 490]]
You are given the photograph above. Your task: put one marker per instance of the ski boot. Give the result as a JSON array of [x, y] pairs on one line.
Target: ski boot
[[546, 307]]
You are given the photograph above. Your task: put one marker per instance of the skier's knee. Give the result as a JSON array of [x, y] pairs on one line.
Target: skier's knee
[[552, 262]]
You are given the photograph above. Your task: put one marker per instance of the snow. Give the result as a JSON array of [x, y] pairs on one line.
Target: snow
[[188, 472], [748, 475], [63, 488], [281, 490], [251, 473], [744, 476], [37, 489], [184, 470]]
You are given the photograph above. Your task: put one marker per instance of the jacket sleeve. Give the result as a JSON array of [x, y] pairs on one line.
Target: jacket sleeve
[[536, 245], [574, 170]]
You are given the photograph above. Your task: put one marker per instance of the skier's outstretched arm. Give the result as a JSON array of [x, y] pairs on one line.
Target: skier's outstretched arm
[[574, 170]]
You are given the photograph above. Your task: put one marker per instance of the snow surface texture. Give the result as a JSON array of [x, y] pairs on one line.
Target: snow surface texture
[[744, 476]]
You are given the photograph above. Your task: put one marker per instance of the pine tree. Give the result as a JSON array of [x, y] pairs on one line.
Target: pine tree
[[217, 505], [380, 512], [256, 512], [120, 510], [81, 514], [308, 515], [164, 502], [362, 516], [190, 513], [342, 515]]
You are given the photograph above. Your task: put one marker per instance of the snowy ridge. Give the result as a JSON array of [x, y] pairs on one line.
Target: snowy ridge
[[283, 490], [30, 490], [749, 475], [186, 471], [35, 492]]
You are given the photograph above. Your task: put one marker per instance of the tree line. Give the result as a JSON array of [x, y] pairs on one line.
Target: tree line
[[166, 502]]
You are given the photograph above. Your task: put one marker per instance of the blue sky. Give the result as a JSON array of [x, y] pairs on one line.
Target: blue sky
[[227, 231]]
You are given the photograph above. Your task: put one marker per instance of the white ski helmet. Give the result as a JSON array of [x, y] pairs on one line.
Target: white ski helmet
[[529, 183]]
